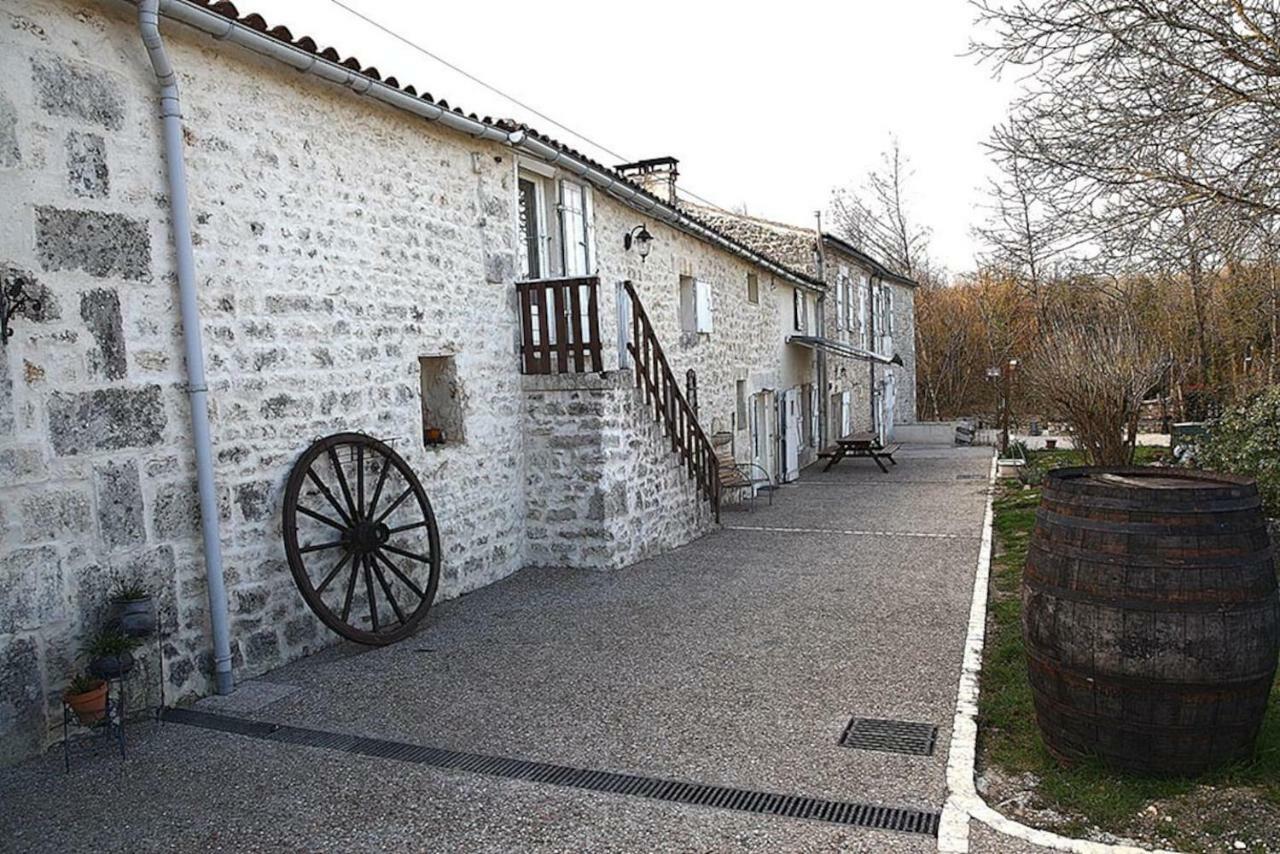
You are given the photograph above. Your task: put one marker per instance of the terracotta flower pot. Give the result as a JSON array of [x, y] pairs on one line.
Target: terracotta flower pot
[[89, 707]]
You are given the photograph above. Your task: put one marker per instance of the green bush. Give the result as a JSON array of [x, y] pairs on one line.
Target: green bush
[[1246, 440]]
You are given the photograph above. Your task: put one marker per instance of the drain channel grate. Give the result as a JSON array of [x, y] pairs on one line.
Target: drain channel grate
[[971, 477], [721, 797], [890, 736]]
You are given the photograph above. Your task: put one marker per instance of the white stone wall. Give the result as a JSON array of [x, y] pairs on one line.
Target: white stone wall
[[748, 340], [604, 489], [336, 242]]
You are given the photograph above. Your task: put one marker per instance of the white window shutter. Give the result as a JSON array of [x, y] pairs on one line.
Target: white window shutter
[[702, 303], [589, 214], [862, 311], [889, 311], [572, 229]]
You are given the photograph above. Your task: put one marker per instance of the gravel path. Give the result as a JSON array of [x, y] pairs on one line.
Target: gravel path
[[736, 660]]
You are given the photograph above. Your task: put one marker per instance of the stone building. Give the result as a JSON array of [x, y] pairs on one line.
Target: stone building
[[866, 309], [359, 250]]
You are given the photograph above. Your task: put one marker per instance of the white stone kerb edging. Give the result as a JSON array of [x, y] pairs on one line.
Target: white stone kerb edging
[[963, 801]]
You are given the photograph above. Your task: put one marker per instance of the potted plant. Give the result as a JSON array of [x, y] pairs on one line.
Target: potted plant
[[134, 612], [87, 697], [110, 654]]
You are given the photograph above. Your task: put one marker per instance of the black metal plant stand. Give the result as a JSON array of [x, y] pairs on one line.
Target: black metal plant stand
[[112, 726]]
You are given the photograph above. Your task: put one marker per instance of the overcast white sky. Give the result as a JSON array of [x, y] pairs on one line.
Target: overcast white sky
[[769, 105]]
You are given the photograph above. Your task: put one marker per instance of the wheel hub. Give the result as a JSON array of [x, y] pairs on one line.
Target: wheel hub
[[369, 536]]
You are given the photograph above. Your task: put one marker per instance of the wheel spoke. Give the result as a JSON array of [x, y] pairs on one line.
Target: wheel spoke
[[333, 573], [351, 590], [322, 518], [394, 504], [386, 588], [320, 547], [329, 495], [373, 601], [404, 553], [359, 479], [397, 530], [377, 490], [342, 482], [404, 579]]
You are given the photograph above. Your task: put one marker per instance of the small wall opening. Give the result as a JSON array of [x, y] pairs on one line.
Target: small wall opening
[[441, 402]]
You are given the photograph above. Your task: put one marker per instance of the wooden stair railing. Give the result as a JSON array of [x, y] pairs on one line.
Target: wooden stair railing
[[662, 392]]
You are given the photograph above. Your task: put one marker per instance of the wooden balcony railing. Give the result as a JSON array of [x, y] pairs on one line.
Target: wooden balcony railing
[[662, 392], [560, 326]]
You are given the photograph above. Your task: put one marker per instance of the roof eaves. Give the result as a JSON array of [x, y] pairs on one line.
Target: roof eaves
[[486, 126]]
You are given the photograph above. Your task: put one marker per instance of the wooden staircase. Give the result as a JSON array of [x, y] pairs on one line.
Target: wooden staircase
[[670, 408]]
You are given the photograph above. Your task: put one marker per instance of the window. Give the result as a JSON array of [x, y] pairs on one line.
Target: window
[[864, 296], [695, 306], [533, 228], [556, 226], [441, 401], [797, 309], [742, 406], [753, 288], [574, 229], [842, 302]]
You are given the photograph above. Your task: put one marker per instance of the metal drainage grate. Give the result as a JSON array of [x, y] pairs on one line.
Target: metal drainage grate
[[890, 736], [694, 794], [971, 477]]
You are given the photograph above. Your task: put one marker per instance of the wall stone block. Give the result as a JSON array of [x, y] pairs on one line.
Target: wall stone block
[[32, 590], [22, 710], [101, 244], [72, 89], [106, 419], [86, 165], [56, 515], [100, 310], [119, 498], [10, 150]]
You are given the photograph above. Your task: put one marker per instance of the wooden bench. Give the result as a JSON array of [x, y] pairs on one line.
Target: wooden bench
[[737, 476]]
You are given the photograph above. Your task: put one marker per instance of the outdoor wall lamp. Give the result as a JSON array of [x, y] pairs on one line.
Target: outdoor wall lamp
[[641, 237], [13, 298]]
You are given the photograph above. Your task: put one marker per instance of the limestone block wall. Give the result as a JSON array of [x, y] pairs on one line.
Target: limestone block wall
[[747, 341], [337, 242], [603, 488]]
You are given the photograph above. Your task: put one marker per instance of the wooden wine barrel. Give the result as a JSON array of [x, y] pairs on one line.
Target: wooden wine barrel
[[1151, 618]]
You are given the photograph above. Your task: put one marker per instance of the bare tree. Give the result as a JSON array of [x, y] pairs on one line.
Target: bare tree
[[1169, 103], [877, 218], [1094, 368]]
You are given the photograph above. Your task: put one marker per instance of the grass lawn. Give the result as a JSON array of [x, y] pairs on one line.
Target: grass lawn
[[1209, 814]]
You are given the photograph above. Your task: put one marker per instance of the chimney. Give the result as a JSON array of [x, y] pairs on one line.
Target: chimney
[[657, 175]]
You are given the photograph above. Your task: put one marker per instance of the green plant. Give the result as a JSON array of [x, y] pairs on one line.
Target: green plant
[[129, 590], [1245, 440], [83, 683], [109, 642]]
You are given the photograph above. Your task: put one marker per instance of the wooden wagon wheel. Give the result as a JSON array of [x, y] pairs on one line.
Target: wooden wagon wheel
[[361, 538]]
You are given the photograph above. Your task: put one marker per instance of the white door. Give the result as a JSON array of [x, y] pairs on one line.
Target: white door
[[888, 398], [762, 432], [789, 419]]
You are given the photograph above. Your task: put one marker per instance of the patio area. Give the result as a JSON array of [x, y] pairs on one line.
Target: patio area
[[736, 661]]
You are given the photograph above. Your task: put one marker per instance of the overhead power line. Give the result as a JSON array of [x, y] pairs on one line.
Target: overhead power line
[[494, 89]]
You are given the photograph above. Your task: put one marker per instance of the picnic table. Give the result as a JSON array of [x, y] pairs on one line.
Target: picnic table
[[860, 445]]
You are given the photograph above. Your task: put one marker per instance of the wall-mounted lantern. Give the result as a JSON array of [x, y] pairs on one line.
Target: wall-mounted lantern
[[13, 298], [641, 237]]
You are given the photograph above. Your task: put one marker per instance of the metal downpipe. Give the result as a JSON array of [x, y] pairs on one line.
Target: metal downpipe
[[197, 390]]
